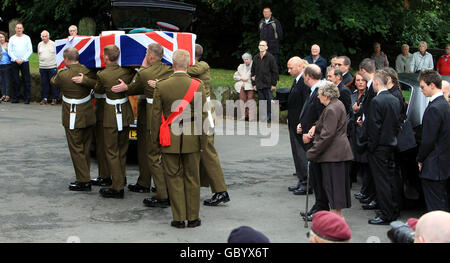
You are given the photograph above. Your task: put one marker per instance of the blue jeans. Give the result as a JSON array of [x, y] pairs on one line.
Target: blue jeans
[[46, 76], [25, 70], [5, 78]]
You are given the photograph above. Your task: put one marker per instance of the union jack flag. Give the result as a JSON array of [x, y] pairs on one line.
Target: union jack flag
[[132, 47]]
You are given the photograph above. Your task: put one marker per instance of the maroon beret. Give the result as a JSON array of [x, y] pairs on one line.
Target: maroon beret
[[330, 226], [412, 222]]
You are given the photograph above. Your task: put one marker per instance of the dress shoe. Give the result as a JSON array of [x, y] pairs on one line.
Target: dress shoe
[[312, 211], [309, 218], [365, 200], [360, 196], [370, 206], [295, 187], [153, 202], [153, 189], [78, 186], [101, 181], [302, 190], [138, 188], [194, 223], [217, 198], [27, 102], [178, 224], [379, 221], [54, 102], [111, 193]]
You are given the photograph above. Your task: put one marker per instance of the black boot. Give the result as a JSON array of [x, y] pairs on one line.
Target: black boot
[[217, 199]]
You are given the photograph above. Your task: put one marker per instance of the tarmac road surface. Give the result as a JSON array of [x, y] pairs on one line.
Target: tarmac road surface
[[36, 205]]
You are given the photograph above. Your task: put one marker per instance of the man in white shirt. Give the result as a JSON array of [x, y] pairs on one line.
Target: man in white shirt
[[20, 50], [47, 66]]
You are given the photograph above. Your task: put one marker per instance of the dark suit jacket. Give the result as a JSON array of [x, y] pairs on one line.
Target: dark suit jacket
[[369, 95], [383, 123], [321, 62], [297, 96], [347, 78], [330, 141], [434, 151], [310, 114], [395, 91], [346, 97]]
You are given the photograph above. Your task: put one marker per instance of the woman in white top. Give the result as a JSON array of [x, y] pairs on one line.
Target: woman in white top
[[421, 59], [244, 87], [403, 61]]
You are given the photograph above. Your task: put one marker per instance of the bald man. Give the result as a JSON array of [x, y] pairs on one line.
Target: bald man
[[433, 227], [297, 97], [316, 58], [446, 90]]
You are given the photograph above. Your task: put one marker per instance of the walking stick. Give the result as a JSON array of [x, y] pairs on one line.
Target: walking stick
[[307, 194]]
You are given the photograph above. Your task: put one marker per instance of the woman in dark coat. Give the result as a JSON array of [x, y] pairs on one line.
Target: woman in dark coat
[[332, 149]]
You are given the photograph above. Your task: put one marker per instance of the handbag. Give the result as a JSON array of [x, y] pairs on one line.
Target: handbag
[[405, 138]]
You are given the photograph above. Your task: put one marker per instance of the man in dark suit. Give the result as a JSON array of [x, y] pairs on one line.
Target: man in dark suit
[[297, 97], [382, 126], [344, 63], [434, 152], [308, 117], [316, 58], [335, 75]]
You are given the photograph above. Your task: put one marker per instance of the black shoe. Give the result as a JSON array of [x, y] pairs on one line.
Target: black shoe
[[101, 181], [370, 206], [111, 193], [217, 198], [312, 211], [302, 190], [194, 223], [379, 221], [138, 188], [153, 202], [295, 187], [178, 224], [153, 189], [360, 196], [309, 218], [365, 200], [78, 186], [27, 102]]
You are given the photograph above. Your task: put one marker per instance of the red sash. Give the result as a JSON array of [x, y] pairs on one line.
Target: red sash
[[164, 132]]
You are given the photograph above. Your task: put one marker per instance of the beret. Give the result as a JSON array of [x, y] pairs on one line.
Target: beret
[[246, 234], [330, 226]]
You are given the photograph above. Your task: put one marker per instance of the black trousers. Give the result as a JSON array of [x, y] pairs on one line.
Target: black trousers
[[266, 94], [316, 181], [436, 196], [25, 70], [382, 167], [298, 153]]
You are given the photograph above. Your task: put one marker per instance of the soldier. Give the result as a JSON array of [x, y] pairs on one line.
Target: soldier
[[78, 116], [180, 153], [139, 85], [211, 173], [118, 115]]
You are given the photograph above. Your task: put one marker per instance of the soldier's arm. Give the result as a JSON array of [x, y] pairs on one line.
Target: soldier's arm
[[196, 70], [135, 87], [204, 136], [99, 88], [55, 80], [156, 116], [89, 79]]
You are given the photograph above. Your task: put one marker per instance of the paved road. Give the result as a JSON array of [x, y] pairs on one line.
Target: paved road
[[36, 205]]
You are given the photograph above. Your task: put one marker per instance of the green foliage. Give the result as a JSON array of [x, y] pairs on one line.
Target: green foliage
[[87, 26]]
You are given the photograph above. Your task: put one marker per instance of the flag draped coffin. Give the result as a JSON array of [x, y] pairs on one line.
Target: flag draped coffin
[[132, 47]]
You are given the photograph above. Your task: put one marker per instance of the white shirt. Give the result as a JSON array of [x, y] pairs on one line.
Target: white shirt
[[298, 77], [20, 48], [267, 20], [369, 83], [313, 88], [440, 93]]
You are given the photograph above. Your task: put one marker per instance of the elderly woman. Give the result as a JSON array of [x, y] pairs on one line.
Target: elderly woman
[[380, 58], [332, 149], [421, 59], [403, 61], [244, 87]]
